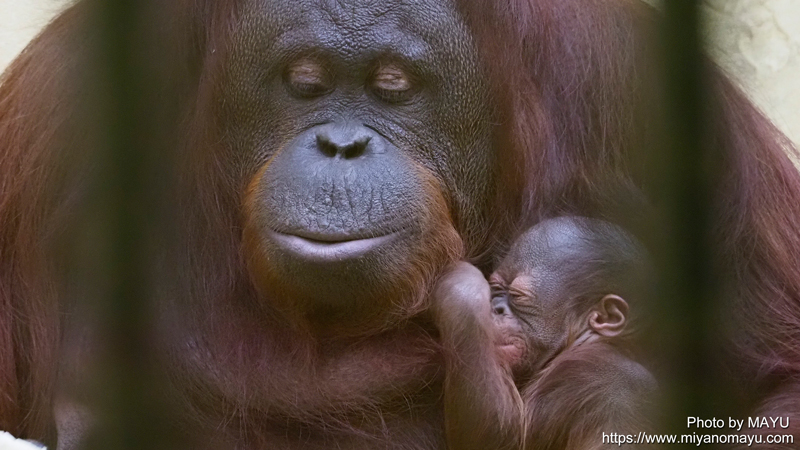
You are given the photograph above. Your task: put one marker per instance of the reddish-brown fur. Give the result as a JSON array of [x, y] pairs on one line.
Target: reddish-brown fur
[[565, 75], [31, 122], [614, 394], [781, 404], [567, 90]]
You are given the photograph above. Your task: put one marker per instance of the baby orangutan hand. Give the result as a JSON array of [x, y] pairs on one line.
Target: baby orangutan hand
[[461, 299]]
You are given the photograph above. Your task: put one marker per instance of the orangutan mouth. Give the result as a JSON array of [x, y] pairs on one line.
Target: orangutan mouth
[[326, 248]]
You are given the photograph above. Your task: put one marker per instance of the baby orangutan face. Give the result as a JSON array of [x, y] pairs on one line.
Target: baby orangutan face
[[543, 301]]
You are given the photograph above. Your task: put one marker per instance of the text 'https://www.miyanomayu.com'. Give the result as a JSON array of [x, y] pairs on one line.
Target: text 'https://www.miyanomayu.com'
[[750, 431]]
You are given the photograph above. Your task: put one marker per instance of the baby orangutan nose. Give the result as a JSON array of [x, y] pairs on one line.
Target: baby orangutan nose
[[500, 305]]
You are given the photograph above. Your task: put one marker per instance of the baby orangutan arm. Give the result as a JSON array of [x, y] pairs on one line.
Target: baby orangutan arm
[[483, 408]]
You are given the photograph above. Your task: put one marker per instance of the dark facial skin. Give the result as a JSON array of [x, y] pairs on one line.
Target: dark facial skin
[[363, 129], [512, 349], [534, 317], [359, 138]]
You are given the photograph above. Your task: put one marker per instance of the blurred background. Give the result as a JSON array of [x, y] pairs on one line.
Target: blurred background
[[21, 20], [755, 41]]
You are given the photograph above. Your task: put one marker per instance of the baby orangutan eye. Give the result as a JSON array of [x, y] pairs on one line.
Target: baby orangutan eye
[[392, 84], [522, 291], [497, 289], [524, 301], [308, 78]]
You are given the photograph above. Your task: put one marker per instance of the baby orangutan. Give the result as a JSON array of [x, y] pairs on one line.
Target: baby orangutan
[[538, 360]]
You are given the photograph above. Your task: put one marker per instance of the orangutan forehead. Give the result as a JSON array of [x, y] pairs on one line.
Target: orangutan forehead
[[357, 16], [543, 246], [355, 31]]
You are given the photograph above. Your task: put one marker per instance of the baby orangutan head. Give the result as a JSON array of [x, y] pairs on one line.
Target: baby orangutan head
[[565, 281]]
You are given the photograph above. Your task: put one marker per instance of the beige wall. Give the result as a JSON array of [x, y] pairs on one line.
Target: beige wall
[[756, 41], [20, 20]]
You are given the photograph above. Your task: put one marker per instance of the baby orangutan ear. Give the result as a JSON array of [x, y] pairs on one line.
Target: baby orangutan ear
[[608, 316]]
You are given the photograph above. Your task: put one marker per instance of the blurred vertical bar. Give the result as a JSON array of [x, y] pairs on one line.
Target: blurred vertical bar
[[688, 301], [124, 381]]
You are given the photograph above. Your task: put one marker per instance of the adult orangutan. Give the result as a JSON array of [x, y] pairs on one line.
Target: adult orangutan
[[335, 157]]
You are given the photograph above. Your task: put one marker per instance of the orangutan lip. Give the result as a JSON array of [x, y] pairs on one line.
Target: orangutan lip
[[325, 248], [512, 350]]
